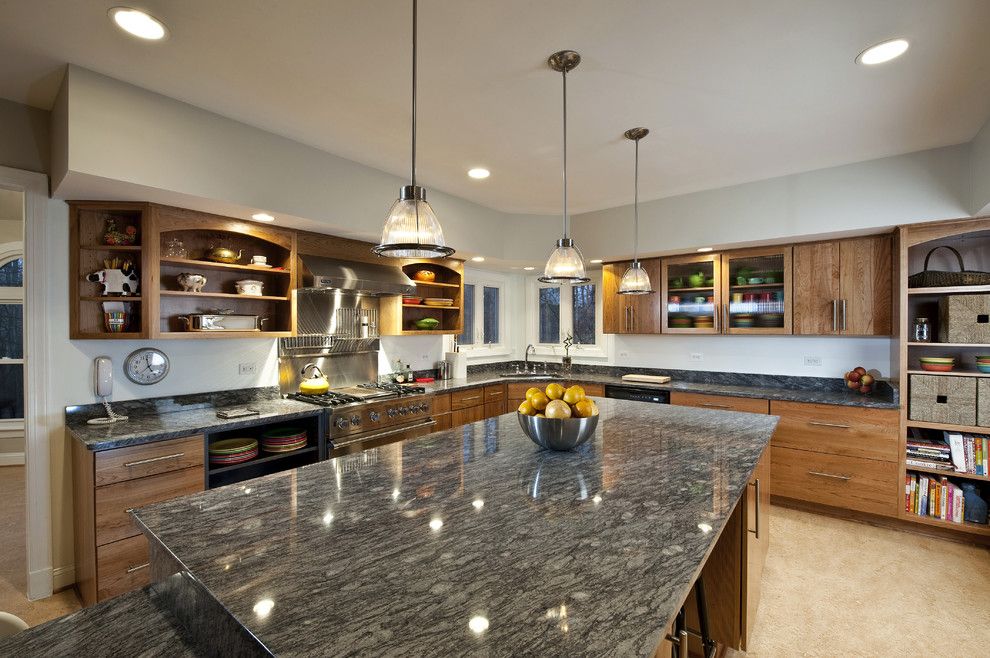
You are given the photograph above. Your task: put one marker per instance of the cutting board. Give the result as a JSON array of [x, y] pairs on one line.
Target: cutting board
[[648, 379]]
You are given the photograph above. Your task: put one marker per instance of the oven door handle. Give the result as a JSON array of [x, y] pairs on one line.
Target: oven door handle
[[380, 435]]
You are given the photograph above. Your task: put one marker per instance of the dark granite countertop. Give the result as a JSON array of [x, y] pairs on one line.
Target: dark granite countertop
[[149, 427], [473, 541]]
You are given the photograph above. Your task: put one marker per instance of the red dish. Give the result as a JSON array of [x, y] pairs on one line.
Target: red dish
[[937, 367]]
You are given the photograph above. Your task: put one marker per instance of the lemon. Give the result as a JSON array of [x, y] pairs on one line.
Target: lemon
[[583, 408], [541, 415], [558, 409], [531, 390], [526, 408], [539, 400], [573, 395], [555, 391]]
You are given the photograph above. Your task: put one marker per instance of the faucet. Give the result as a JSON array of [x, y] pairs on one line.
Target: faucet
[[529, 348]]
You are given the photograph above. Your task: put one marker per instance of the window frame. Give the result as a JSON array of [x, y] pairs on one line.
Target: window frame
[[478, 349], [10, 252], [600, 350]]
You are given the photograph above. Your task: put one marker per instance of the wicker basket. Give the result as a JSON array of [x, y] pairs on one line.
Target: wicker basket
[[942, 399], [983, 403], [964, 319], [936, 279]]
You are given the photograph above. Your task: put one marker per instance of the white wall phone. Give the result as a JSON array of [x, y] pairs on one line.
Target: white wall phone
[[103, 387]]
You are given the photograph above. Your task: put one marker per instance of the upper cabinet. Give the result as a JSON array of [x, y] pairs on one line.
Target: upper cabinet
[[756, 291], [844, 287], [630, 314], [437, 307], [692, 294]]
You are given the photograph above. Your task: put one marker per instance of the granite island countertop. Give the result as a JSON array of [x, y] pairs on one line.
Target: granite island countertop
[[473, 541]]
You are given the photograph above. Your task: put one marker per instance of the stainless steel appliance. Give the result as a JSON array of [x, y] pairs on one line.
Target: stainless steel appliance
[[376, 422], [637, 393]]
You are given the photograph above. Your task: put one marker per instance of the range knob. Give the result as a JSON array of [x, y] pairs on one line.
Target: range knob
[[355, 420], [418, 407], [403, 410], [342, 424], [392, 412], [374, 416]]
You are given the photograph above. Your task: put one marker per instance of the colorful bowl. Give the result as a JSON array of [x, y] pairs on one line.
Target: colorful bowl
[[937, 367], [427, 324], [427, 276], [938, 359], [983, 367], [411, 300]]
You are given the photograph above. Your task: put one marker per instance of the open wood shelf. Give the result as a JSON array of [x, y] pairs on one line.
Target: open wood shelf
[[947, 290], [951, 373], [224, 334], [436, 284], [111, 247], [228, 295], [965, 526], [979, 345], [691, 289], [969, 429], [97, 298], [261, 460], [756, 285], [936, 471], [437, 308], [224, 266]]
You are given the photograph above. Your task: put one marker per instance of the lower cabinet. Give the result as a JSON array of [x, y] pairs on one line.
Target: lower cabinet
[[111, 554], [720, 402], [474, 404]]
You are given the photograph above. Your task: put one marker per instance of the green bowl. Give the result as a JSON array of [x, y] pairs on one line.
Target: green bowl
[[427, 324]]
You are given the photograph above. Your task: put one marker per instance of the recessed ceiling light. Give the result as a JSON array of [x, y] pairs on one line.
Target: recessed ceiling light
[[479, 173], [138, 23], [595, 260], [704, 249], [529, 269], [262, 217], [478, 259], [883, 52]]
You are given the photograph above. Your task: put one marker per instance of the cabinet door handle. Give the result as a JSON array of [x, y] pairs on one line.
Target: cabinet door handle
[[830, 475], [835, 316], [154, 459], [473, 397], [843, 315], [821, 424], [138, 567], [756, 484], [715, 406]]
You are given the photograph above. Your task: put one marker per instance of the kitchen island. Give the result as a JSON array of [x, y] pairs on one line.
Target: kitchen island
[[473, 541]]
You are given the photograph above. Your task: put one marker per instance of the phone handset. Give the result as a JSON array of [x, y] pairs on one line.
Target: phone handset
[[103, 387]]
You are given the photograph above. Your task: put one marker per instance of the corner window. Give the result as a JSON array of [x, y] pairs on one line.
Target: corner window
[[12, 337], [557, 311], [484, 331]]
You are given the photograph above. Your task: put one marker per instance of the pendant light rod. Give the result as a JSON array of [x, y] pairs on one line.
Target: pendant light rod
[[412, 175], [564, 76], [636, 134], [562, 62]]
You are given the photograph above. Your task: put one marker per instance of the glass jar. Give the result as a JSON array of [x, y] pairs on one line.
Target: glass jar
[[174, 249], [922, 331]]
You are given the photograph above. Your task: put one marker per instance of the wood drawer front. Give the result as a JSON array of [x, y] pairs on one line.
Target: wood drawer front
[[865, 485], [460, 417], [594, 390], [849, 431], [496, 408], [149, 459], [441, 403], [113, 523], [122, 567], [720, 402], [472, 397], [494, 393]]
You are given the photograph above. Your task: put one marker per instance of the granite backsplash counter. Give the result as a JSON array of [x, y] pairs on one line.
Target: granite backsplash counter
[[473, 541]]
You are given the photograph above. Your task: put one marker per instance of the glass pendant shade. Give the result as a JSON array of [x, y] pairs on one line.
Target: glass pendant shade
[[565, 265], [412, 229], [635, 281]]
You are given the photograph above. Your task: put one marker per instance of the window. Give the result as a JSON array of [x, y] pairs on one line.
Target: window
[[11, 335], [484, 318], [558, 311], [550, 315], [583, 312]]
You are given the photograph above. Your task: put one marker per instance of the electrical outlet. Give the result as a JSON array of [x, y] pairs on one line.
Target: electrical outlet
[[697, 356], [813, 361], [247, 369], [623, 353]]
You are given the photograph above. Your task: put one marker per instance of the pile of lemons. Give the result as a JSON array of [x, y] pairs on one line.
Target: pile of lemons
[[558, 402]]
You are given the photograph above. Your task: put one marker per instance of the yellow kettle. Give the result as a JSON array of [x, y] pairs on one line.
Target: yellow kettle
[[316, 384]]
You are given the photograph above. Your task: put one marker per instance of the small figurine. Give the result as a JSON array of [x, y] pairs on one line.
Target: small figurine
[[119, 278], [191, 282]]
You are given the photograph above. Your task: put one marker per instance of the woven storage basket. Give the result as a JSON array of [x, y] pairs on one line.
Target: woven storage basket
[[937, 279], [983, 402], [964, 319], [941, 399]]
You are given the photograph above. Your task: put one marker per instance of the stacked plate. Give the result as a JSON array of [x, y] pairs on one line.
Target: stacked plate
[[704, 322], [743, 320], [770, 320], [937, 363], [983, 363], [233, 451], [283, 439], [438, 301]]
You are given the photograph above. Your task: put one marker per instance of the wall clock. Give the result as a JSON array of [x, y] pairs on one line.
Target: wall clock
[[146, 366]]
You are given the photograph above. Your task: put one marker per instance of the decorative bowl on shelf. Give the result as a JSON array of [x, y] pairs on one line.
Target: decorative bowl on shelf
[[755, 280], [250, 287], [677, 283], [427, 324], [696, 280], [426, 276], [411, 300], [558, 433], [937, 363], [983, 367]]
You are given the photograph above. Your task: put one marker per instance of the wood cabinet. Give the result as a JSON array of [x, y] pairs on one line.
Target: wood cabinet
[[691, 294], [720, 402], [844, 287], [756, 543], [756, 291], [631, 314], [847, 431], [399, 318], [474, 404], [110, 551]]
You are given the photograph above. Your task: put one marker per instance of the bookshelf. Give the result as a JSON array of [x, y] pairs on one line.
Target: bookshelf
[[972, 239]]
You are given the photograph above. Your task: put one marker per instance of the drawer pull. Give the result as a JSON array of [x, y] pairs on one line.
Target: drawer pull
[[138, 567], [830, 475], [473, 397], [715, 406], [154, 459], [821, 424], [757, 507]]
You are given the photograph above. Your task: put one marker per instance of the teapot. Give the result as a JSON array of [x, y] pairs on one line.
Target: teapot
[[223, 255], [316, 384]]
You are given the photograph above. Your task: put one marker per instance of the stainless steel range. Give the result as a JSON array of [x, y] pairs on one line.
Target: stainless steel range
[[383, 418]]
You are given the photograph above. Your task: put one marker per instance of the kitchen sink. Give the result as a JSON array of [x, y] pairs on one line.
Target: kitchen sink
[[526, 375]]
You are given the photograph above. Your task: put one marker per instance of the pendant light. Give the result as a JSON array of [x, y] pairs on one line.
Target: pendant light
[[636, 281], [411, 228], [566, 264]]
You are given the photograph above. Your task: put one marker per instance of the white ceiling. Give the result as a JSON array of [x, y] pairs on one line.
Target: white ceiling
[[732, 91]]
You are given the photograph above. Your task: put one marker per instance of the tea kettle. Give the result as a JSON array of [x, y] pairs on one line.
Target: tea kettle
[[316, 384], [223, 255]]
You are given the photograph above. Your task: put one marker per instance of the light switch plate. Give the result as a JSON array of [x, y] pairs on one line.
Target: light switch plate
[[697, 356], [813, 361], [247, 369]]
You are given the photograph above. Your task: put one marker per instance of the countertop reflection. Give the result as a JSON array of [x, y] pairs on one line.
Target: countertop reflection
[[474, 541]]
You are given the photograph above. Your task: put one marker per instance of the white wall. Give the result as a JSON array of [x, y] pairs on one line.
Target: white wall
[[980, 169], [24, 140]]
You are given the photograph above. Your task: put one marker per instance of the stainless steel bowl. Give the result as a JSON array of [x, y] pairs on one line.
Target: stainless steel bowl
[[558, 433]]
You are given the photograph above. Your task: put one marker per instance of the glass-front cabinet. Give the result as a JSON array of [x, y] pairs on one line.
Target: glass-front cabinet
[[692, 294], [756, 291]]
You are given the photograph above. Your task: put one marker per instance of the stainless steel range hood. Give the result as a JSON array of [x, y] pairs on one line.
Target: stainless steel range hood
[[319, 272]]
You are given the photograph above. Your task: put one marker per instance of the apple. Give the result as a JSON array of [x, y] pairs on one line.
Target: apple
[[866, 379], [865, 389], [860, 369], [852, 384], [853, 376]]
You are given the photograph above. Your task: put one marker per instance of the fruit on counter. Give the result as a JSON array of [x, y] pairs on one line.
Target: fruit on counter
[[861, 380], [527, 408], [531, 390], [585, 408], [539, 400], [573, 395], [853, 376], [852, 384], [541, 415], [558, 409], [860, 369], [555, 391], [866, 380]]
